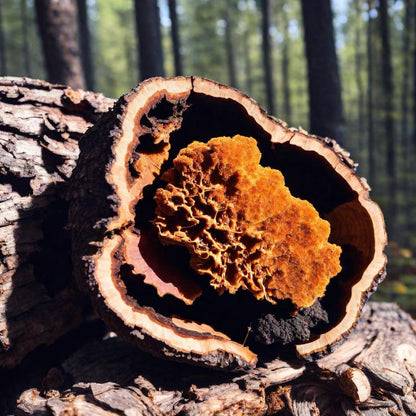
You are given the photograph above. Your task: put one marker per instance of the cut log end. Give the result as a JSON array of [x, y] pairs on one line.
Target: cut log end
[[154, 294]]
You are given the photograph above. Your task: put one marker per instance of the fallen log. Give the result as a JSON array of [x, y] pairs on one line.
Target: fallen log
[[193, 251], [372, 373], [40, 125]]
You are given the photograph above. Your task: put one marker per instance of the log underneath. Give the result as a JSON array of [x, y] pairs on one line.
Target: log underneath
[[372, 373], [150, 292], [40, 125]]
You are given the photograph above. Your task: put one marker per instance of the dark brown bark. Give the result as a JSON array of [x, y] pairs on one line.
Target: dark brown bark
[[85, 44], [167, 114], [325, 102], [388, 109], [175, 34], [26, 50], [229, 12], [372, 373], [3, 54], [57, 22], [39, 131], [370, 100], [150, 40], [267, 56]]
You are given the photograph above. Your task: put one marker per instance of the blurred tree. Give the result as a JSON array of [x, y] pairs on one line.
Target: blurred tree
[[358, 60], [26, 50], [85, 44], [267, 58], [325, 103], [287, 107], [414, 74], [230, 10], [176, 44], [388, 102], [3, 56], [57, 22], [370, 99], [150, 40]]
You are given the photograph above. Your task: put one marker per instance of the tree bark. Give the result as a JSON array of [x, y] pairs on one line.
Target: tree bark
[[388, 109], [39, 131], [325, 102], [85, 44], [57, 22], [372, 373], [176, 44], [229, 13], [150, 40], [267, 56]]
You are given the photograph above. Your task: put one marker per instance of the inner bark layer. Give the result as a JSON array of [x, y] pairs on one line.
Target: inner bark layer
[[242, 226]]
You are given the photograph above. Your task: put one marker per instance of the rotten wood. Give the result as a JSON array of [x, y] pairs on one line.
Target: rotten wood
[[111, 377], [40, 125], [148, 293]]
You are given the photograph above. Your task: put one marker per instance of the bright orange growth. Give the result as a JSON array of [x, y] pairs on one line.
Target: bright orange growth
[[242, 226]]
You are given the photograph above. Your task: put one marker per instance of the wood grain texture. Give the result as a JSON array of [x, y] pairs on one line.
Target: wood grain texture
[[111, 377], [40, 125]]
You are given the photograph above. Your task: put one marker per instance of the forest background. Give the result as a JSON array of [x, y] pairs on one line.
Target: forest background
[[268, 50]]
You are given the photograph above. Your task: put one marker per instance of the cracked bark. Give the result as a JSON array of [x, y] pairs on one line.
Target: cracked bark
[[40, 125], [372, 373]]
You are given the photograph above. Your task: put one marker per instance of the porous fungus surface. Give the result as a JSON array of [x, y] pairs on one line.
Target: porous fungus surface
[[241, 225]]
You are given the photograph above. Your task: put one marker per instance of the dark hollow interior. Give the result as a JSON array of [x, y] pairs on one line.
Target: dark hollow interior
[[308, 175]]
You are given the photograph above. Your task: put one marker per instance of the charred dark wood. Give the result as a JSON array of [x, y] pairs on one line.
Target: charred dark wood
[[146, 291], [40, 125], [372, 373]]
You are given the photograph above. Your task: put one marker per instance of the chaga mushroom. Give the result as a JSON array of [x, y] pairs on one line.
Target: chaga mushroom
[[201, 245]]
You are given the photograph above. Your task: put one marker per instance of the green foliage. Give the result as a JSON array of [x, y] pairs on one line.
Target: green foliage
[[115, 55], [400, 286]]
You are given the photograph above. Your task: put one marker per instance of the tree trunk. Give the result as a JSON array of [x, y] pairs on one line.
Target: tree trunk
[[39, 131], [85, 44], [57, 22], [150, 40], [325, 102], [372, 373], [3, 54], [406, 145], [358, 75], [247, 61], [388, 107], [26, 50], [229, 12], [285, 69], [176, 44], [370, 100], [267, 56]]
